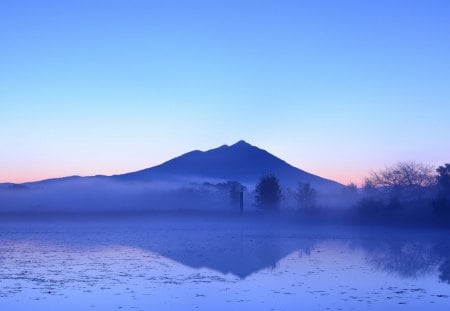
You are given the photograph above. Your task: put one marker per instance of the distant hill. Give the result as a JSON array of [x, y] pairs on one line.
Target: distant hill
[[240, 162]]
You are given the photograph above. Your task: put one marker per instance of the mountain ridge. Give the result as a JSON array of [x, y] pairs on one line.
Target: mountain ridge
[[240, 161]]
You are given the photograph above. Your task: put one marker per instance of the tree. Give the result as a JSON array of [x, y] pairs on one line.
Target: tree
[[404, 174], [369, 188], [351, 188], [441, 203], [268, 193], [404, 179], [443, 177], [306, 196], [350, 192]]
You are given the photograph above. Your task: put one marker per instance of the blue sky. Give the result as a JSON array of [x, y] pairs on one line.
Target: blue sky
[[337, 88]]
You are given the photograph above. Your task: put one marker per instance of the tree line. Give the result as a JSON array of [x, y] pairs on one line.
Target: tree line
[[268, 194], [407, 188]]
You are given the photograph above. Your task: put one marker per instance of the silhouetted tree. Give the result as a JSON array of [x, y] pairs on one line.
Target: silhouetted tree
[[405, 179], [441, 203], [351, 188], [369, 188], [268, 193], [443, 177], [306, 196], [408, 184], [350, 193], [370, 207]]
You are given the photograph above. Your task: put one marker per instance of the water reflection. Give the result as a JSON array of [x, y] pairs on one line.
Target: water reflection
[[228, 252], [143, 266], [410, 259], [243, 252], [238, 254], [409, 256], [444, 271]]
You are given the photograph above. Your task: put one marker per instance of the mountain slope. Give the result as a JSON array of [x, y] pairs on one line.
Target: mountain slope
[[163, 187], [241, 162]]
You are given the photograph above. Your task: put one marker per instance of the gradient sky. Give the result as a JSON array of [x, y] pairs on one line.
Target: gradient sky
[[337, 88]]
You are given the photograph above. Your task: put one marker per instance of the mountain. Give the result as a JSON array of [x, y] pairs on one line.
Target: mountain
[[239, 162], [178, 184]]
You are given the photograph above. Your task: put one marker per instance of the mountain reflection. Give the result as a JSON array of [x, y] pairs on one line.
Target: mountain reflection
[[243, 251], [238, 254]]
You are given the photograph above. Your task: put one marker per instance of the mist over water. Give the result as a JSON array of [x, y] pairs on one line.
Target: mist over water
[[154, 240], [135, 242], [201, 262]]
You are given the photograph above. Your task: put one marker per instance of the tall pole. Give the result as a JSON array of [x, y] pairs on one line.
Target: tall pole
[[241, 200]]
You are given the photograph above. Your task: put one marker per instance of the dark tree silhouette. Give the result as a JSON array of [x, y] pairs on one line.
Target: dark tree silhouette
[[403, 180], [441, 203], [268, 193], [443, 177], [306, 196], [350, 193], [403, 187], [369, 188], [351, 188]]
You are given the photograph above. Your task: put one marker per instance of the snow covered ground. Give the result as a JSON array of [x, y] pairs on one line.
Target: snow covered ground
[[207, 264]]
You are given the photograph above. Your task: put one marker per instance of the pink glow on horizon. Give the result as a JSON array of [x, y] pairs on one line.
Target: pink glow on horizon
[[37, 175]]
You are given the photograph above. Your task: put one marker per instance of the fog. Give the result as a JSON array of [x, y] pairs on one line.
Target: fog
[[109, 197], [104, 195], [107, 244]]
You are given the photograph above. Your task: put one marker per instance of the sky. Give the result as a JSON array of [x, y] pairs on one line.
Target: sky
[[336, 88]]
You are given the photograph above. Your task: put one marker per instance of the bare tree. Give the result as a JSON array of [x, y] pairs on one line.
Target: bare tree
[[404, 174], [403, 179]]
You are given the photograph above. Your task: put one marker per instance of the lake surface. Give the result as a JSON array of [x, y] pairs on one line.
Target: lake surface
[[212, 265]]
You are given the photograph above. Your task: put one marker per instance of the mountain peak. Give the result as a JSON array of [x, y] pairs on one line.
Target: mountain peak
[[241, 143], [241, 162]]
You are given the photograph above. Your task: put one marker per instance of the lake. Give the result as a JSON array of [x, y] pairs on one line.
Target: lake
[[205, 264]]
